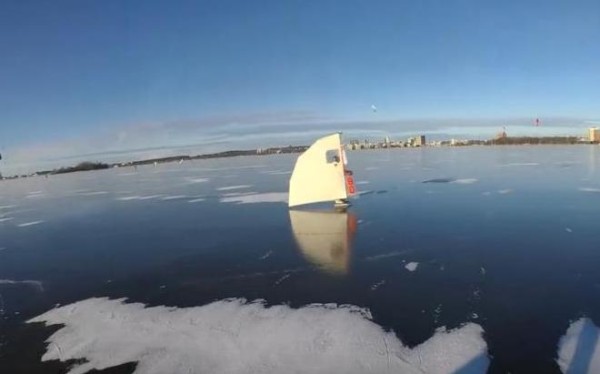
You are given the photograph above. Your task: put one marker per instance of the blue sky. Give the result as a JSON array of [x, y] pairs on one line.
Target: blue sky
[[80, 77]]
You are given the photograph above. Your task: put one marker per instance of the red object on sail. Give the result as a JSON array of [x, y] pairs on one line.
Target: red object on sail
[[350, 183]]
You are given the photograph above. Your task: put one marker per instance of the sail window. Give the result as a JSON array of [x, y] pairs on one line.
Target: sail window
[[332, 156]]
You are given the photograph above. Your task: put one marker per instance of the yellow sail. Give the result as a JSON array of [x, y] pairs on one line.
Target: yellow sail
[[324, 238], [319, 173]]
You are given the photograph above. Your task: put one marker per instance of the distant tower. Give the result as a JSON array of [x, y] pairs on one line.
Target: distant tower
[[594, 134]]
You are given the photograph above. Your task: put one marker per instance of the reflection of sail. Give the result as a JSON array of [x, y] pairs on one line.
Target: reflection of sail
[[324, 238], [319, 174]]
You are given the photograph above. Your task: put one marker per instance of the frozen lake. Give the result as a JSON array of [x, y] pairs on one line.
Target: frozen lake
[[450, 260]]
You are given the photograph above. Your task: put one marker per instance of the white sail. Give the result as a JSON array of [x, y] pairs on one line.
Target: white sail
[[324, 238], [319, 173]]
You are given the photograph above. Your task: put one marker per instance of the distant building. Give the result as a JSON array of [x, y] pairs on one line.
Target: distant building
[[417, 141], [594, 134]]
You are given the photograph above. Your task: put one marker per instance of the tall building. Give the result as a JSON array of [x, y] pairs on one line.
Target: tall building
[[420, 141], [594, 134]]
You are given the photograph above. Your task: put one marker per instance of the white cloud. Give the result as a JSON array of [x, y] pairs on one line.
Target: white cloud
[[232, 336]]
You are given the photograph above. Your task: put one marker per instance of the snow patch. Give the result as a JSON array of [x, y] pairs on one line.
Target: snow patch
[[229, 188], [33, 283], [93, 193], [412, 266], [589, 189], [5, 219], [465, 181], [173, 197], [520, 164], [196, 180], [33, 223], [198, 200], [578, 349], [128, 198], [269, 197], [100, 333], [385, 255]]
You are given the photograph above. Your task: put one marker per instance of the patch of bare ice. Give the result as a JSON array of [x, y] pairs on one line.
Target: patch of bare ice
[[465, 181], [33, 283], [196, 180], [173, 197], [589, 189], [32, 223], [229, 188], [269, 197]]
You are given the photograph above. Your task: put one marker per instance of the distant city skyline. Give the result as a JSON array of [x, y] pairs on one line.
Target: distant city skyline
[[109, 77]]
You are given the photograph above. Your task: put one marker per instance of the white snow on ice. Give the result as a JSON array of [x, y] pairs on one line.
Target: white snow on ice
[[33, 283], [33, 223], [578, 349], [137, 197], [233, 336], [412, 266], [229, 188], [198, 200], [4, 219], [589, 189], [196, 180], [520, 164], [173, 197], [94, 193], [269, 197], [465, 181]]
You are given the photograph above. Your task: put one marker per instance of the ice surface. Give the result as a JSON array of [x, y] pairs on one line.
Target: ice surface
[[4, 219], [233, 336], [229, 188], [451, 180], [93, 193], [198, 200], [33, 283], [520, 164], [269, 197], [385, 255], [412, 266], [196, 180], [26, 224], [578, 349], [589, 189], [173, 197], [465, 181]]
